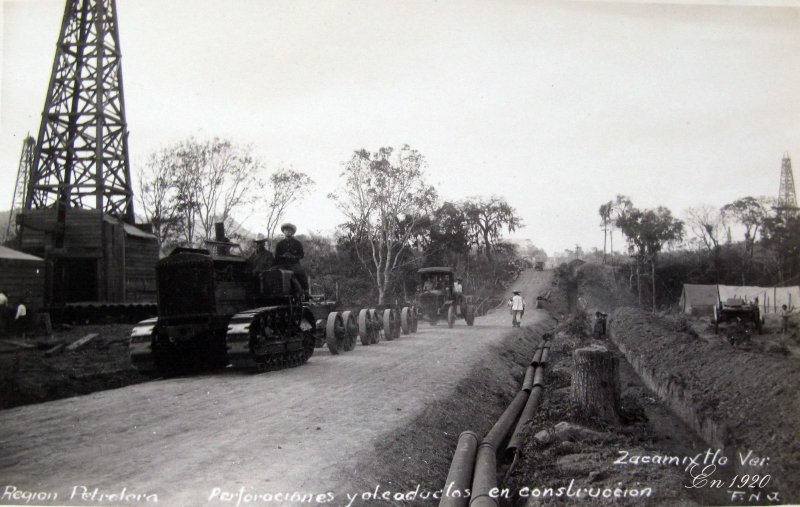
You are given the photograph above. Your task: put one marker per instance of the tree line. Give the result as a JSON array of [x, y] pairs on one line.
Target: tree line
[[394, 219], [703, 248]]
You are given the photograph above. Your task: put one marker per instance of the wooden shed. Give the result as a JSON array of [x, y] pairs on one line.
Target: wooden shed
[[22, 278], [90, 256]]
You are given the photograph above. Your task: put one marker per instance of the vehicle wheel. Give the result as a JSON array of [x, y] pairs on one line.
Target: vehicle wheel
[[351, 330], [389, 324], [366, 328], [377, 325], [335, 332], [405, 320], [319, 333], [469, 315], [451, 316], [716, 320]]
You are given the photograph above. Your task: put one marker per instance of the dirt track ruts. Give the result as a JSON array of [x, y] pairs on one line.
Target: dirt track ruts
[[288, 431]]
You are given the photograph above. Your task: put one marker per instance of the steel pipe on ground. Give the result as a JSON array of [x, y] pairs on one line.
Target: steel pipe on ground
[[459, 478], [500, 429], [537, 356], [538, 377], [527, 414], [543, 359], [527, 382], [485, 479]]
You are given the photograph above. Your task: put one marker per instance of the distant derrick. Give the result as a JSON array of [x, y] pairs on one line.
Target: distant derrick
[[81, 156], [21, 185], [786, 194]]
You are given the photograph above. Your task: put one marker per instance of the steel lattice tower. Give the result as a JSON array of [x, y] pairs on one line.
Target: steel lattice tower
[[81, 156], [786, 195], [21, 186]]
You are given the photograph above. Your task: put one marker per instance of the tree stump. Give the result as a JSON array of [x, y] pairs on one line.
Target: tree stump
[[595, 384]]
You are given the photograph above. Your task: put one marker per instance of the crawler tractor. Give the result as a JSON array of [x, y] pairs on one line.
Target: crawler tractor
[[215, 310]]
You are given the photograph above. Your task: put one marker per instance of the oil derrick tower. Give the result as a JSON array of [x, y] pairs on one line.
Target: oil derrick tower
[[786, 195], [21, 186], [78, 211]]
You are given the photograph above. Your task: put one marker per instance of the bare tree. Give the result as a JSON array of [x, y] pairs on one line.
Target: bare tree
[[157, 197], [384, 198], [229, 176], [190, 185], [286, 186]]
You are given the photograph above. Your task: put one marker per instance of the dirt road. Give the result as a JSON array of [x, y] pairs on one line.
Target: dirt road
[[219, 439]]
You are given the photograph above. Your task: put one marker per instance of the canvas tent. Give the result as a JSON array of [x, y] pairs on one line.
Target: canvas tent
[[698, 299]]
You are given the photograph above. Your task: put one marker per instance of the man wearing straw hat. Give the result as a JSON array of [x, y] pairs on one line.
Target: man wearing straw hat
[[288, 253], [516, 305]]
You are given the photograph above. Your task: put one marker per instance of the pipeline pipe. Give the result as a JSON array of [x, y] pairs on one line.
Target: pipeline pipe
[[538, 377], [537, 356], [459, 478], [500, 429], [485, 479], [527, 382], [543, 359], [527, 414]]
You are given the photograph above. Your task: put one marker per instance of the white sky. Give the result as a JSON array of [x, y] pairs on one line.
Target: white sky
[[556, 106]]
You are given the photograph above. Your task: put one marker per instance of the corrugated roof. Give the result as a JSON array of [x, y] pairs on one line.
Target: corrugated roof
[[10, 253]]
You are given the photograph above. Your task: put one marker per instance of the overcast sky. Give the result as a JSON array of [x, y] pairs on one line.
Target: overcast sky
[[556, 106]]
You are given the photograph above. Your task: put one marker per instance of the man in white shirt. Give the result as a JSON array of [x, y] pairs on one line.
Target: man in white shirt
[[3, 310], [516, 305], [21, 319]]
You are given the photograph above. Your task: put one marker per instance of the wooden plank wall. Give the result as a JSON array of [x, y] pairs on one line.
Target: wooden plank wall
[[141, 255], [23, 282], [83, 233]]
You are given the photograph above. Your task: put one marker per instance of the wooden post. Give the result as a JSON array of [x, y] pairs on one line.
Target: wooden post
[[595, 384]]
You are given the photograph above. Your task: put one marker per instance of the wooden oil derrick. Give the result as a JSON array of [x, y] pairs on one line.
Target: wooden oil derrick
[[21, 186], [78, 211], [786, 194]]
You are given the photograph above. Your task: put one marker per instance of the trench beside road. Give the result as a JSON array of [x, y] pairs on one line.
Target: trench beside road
[[193, 439]]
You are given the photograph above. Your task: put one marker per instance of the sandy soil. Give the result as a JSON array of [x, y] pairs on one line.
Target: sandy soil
[[214, 439]]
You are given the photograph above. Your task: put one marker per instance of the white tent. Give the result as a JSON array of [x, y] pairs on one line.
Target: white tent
[[698, 299]]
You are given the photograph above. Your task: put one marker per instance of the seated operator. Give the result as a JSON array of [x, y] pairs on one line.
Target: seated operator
[[458, 290], [288, 253], [261, 259]]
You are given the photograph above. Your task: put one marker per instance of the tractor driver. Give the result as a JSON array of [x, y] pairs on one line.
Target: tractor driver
[[288, 253], [458, 290]]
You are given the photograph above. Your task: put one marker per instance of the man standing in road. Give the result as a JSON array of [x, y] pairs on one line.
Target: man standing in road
[[785, 313], [516, 305], [288, 253]]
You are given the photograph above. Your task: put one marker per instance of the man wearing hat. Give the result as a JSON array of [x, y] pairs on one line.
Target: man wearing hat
[[516, 305], [261, 259], [288, 253]]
